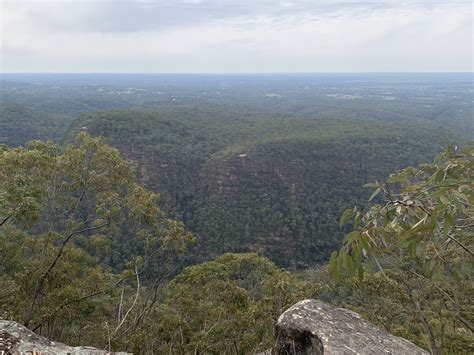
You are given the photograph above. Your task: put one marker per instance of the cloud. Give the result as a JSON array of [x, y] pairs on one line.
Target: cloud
[[236, 36], [145, 15]]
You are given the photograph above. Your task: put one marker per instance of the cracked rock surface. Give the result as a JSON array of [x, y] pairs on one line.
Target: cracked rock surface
[[314, 327]]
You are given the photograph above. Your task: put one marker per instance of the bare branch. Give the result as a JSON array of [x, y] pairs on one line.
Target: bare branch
[[460, 244], [134, 301], [6, 219]]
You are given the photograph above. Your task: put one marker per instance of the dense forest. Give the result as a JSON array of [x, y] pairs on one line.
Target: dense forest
[[161, 214], [247, 182], [19, 124], [254, 162], [89, 257]]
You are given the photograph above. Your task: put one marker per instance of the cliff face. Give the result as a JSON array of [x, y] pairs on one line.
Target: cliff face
[[314, 327], [17, 339]]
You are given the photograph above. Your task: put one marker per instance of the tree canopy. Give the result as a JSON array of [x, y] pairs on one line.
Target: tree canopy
[[225, 306], [248, 181], [75, 226], [415, 250]]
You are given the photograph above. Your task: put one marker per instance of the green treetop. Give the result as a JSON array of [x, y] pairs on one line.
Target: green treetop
[[74, 225], [416, 248]]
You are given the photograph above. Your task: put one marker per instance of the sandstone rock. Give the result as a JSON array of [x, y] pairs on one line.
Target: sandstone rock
[[314, 327], [17, 339]]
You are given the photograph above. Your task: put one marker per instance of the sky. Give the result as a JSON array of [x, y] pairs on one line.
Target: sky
[[236, 36]]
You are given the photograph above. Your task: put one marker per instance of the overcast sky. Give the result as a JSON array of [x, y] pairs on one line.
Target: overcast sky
[[213, 36]]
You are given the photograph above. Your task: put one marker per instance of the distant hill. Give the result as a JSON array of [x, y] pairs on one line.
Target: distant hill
[[242, 180]]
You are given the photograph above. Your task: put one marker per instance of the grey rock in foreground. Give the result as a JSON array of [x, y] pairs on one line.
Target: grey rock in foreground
[[314, 327], [17, 339]]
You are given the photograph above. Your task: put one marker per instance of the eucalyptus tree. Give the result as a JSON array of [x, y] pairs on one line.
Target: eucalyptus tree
[[78, 236], [416, 248]]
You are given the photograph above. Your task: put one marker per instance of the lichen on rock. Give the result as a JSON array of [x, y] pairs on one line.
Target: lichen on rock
[[314, 327]]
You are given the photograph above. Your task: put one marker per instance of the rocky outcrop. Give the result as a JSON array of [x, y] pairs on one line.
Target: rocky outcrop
[[17, 339], [314, 327]]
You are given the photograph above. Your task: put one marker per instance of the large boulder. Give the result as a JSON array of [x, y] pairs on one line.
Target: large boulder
[[314, 327], [17, 339]]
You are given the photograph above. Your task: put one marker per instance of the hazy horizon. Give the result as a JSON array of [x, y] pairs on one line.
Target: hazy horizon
[[245, 73]]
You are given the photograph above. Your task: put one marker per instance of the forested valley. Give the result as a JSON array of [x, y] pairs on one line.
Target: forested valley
[[176, 214], [271, 185]]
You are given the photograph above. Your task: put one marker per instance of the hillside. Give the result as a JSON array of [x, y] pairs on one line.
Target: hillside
[[247, 181], [19, 124]]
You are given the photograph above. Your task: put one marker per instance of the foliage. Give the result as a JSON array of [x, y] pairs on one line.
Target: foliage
[[74, 226], [311, 142], [228, 305], [87, 256], [257, 182], [413, 254], [19, 124]]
